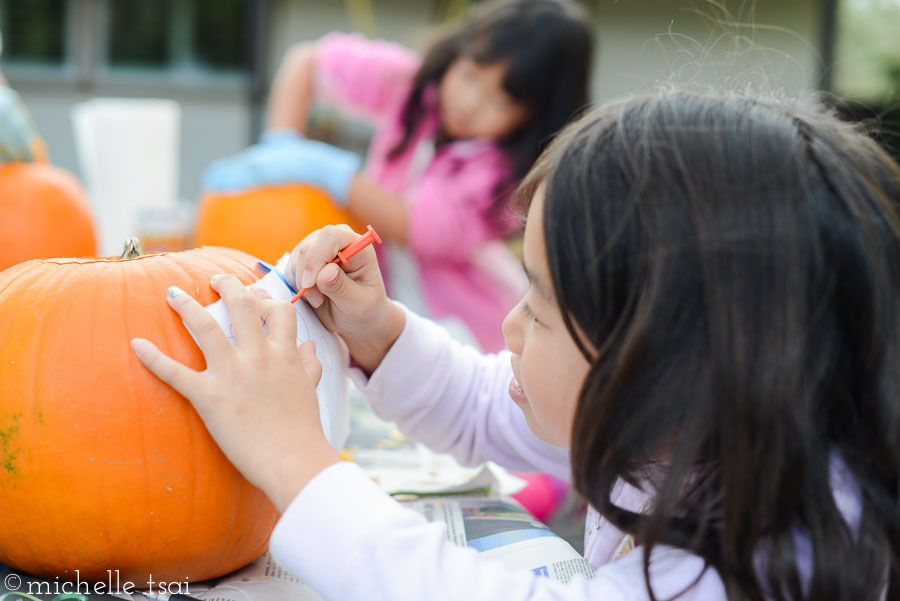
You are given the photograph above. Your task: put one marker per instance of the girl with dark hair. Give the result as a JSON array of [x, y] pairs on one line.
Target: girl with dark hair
[[710, 346], [455, 133]]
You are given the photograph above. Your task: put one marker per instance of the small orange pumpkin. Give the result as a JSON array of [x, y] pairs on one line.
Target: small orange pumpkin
[[103, 466], [267, 221], [43, 213]]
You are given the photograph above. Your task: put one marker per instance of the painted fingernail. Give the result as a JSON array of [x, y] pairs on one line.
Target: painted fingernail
[[307, 280], [334, 274], [175, 291], [139, 345]]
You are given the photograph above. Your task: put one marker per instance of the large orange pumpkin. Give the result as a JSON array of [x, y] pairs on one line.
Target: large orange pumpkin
[[102, 466], [267, 221], [43, 213]]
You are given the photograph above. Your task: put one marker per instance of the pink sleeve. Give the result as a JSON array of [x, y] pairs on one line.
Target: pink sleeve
[[449, 215], [368, 77]]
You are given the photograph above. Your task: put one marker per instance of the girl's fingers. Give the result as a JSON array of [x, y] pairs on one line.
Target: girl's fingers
[[180, 377], [294, 268], [280, 319], [314, 298], [259, 292], [323, 249], [242, 305], [209, 336], [311, 363]]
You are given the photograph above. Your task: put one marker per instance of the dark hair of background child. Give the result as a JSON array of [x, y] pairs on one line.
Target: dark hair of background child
[[547, 46], [730, 267]]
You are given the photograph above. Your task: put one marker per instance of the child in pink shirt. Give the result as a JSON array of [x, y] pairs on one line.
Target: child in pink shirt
[[454, 133], [709, 346]]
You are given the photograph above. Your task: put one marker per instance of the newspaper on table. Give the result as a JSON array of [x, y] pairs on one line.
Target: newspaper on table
[[501, 530], [496, 527]]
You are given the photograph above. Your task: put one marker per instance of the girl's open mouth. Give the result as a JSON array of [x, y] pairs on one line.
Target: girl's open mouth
[[517, 393]]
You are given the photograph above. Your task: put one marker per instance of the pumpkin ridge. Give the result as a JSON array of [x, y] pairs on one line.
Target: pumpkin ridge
[[39, 350], [126, 327], [34, 392], [152, 255], [191, 438], [230, 531], [95, 260], [188, 276], [195, 491]]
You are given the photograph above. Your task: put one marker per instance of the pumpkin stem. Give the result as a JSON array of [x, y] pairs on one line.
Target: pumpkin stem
[[132, 249]]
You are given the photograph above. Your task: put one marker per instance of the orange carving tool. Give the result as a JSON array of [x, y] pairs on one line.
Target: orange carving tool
[[348, 251]]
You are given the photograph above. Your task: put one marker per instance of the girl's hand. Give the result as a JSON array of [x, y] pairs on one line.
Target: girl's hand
[[352, 303], [283, 157], [257, 398]]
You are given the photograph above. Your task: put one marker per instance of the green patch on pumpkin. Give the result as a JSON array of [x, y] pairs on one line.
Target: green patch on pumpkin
[[8, 450]]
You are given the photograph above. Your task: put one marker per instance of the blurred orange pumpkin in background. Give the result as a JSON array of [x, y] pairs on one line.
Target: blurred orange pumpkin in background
[[266, 221], [102, 465], [43, 213]]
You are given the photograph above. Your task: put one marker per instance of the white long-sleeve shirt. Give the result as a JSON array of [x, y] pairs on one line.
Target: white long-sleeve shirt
[[349, 540]]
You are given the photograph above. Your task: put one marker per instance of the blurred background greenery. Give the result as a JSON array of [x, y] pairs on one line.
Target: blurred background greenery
[[193, 34], [867, 65]]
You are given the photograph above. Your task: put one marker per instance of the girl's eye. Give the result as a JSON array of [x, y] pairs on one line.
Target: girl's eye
[[526, 310]]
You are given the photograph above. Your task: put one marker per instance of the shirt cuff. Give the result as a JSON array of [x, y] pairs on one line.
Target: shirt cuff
[[407, 365], [327, 533], [398, 353]]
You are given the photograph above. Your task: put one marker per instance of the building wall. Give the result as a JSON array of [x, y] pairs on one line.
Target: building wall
[[210, 128], [642, 43], [648, 42]]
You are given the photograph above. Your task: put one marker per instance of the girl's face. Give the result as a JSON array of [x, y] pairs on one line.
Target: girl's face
[[548, 368], [473, 102]]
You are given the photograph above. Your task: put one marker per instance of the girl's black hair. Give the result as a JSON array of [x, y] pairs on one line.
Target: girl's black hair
[[731, 269], [547, 46]]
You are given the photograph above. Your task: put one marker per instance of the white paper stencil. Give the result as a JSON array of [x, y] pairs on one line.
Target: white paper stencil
[[332, 388]]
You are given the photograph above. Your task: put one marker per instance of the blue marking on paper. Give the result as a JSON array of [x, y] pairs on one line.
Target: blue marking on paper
[[332, 388], [267, 267]]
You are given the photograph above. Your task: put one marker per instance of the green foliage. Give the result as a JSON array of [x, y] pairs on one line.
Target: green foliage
[[867, 55], [146, 34], [138, 33], [33, 31], [221, 35]]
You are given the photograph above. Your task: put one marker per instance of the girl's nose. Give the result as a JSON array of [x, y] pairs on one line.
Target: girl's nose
[[470, 98], [464, 106], [512, 331]]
